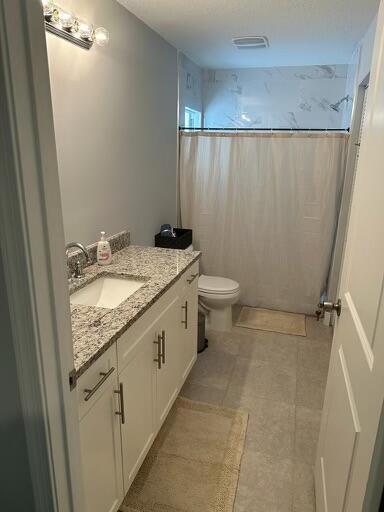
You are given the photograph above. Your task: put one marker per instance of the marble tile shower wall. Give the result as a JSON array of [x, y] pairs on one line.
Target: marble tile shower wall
[[351, 87], [279, 97], [190, 86]]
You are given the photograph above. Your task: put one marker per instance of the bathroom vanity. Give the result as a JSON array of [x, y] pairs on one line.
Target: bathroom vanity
[[131, 361]]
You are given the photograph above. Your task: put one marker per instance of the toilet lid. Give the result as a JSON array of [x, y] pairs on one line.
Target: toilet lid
[[217, 285]]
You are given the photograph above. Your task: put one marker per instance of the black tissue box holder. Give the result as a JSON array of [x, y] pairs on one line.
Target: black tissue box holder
[[182, 240]]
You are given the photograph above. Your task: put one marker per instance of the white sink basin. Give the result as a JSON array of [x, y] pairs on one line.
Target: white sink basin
[[106, 292]]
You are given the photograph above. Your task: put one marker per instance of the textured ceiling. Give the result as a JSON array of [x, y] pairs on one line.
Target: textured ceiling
[[300, 32]]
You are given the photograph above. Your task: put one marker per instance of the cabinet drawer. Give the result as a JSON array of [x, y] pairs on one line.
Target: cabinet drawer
[[95, 380]]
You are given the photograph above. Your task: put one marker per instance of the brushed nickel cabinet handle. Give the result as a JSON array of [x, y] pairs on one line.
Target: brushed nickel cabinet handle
[[159, 355], [185, 321], [104, 375], [163, 341], [121, 413], [192, 278]]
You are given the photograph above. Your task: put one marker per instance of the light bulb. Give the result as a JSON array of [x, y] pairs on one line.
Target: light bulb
[[84, 29], [66, 19], [101, 36], [48, 7]]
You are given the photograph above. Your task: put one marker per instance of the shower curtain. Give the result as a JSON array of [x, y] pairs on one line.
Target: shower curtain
[[263, 209]]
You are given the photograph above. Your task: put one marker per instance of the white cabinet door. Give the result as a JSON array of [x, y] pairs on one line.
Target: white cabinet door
[[188, 335], [168, 370], [137, 381], [101, 451]]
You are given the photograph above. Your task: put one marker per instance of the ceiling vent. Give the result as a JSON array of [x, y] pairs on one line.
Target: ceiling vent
[[250, 42]]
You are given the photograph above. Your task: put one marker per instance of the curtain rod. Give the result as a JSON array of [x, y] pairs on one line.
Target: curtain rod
[[183, 128]]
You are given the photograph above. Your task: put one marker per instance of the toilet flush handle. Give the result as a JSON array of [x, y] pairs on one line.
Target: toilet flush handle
[[192, 278]]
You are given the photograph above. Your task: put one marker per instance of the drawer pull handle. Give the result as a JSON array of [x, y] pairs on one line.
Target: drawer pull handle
[[185, 321], [163, 341], [104, 375], [192, 278], [159, 355], [121, 413]]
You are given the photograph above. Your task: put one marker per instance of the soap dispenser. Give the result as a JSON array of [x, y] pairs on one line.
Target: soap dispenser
[[104, 253]]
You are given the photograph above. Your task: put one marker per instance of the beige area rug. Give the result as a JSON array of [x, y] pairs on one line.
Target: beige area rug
[[269, 320], [194, 463]]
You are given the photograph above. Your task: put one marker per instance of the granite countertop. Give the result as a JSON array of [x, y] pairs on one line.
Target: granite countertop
[[95, 329]]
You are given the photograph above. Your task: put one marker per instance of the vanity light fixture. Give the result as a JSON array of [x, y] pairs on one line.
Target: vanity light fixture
[[65, 24]]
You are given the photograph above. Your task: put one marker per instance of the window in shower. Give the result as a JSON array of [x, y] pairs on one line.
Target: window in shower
[[192, 118]]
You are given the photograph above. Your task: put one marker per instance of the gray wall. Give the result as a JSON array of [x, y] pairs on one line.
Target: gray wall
[[366, 51], [115, 112], [359, 69]]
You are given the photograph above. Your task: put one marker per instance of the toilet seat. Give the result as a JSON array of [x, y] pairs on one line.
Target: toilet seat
[[212, 285]]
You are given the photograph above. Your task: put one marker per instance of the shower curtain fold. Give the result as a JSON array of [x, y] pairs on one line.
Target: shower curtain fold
[[263, 210]]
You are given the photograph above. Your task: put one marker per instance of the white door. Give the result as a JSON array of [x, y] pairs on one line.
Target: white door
[[168, 372], [355, 387], [138, 426]]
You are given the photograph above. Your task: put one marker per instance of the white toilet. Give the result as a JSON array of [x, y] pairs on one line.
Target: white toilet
[[216, 296]]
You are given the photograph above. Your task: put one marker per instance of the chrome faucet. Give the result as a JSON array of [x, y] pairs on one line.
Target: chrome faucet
[[78, 267]]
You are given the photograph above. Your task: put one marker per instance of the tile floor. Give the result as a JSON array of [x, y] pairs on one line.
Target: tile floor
[[280, 380]]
